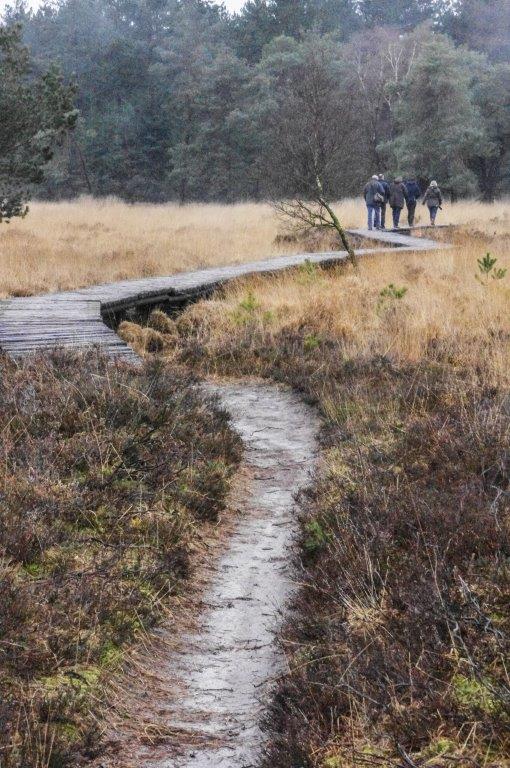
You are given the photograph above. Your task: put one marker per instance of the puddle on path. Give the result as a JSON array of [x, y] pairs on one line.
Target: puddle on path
[[225, 669]]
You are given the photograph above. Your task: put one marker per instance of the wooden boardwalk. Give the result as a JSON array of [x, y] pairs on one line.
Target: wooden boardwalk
[[76, 319]]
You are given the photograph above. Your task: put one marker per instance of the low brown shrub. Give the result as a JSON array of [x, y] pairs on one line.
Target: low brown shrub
[[106, 474], [397, 649], [403, 626]]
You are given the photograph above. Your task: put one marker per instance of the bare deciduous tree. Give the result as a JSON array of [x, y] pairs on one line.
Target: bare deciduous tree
[[309, 214], [309, 134]]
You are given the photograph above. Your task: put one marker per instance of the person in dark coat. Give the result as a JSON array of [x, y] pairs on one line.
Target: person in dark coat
[[374, 196], [398, 198], [386, 188], [413, 195], [434, 200]]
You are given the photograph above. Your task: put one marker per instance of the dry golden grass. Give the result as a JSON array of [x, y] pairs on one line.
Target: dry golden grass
[[61, 246], [445, 309], [66, 245]]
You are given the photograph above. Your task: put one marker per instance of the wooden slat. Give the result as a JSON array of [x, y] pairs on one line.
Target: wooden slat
[[73, 319]]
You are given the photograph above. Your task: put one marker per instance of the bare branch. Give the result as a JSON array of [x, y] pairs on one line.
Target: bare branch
[[307, 215]]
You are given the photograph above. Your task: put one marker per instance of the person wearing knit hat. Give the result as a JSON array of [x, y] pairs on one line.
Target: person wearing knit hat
[[434, 200], [374, 197]]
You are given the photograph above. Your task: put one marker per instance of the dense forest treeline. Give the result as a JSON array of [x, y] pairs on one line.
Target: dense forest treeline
[[179, 99]]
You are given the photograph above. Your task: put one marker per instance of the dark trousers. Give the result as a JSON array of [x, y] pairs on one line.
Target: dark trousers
[[433, 209], [411, 210], [396, 216], [373, 212], [383, 215]]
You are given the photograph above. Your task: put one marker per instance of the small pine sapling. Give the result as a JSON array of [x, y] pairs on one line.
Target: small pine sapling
[[487, 269]]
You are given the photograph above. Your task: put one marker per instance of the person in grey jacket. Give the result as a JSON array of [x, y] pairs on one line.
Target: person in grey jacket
[[374, 196], [398, 197], [434, 200]]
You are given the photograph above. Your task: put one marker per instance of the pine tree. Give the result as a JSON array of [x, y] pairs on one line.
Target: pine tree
[[439, 126], [209, 156], [483, 25], [36, 113], [492, 161], [261, 21], [398, 13]]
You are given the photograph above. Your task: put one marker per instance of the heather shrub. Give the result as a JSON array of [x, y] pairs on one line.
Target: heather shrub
[[107, 473], [398, 643], [404, 628]]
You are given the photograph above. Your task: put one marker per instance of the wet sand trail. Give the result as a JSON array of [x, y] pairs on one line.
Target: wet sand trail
[[224, 669]]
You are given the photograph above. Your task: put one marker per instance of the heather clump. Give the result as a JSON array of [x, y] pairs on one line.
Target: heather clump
[[403, 629], [398, 644], [107, 475]]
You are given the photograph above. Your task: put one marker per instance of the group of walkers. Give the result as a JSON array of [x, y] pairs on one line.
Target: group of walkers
[[379, 194]]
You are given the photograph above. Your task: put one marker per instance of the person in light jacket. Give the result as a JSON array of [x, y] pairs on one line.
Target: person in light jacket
[[398, 197], [434, 200], [374, 196]]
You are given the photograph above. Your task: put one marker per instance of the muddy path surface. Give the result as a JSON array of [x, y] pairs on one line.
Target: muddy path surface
[[222, 671]]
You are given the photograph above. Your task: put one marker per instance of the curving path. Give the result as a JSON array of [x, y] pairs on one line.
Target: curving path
[[218, 678], [79, 318], [223, 672]]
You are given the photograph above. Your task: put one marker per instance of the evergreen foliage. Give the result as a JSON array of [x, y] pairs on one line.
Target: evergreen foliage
[[35, 114], [181, 100], [439, 126]]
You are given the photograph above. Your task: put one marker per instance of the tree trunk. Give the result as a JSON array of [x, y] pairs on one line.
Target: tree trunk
[[83, 167], [343, 237]]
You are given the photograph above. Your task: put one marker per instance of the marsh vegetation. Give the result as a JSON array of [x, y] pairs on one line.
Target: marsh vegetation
[[110, 476], [397, 653], [62, 246]]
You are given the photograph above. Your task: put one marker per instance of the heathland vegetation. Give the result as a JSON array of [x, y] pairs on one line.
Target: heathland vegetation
[[161, 111], [62, 246], [109, 478], [398, 648]]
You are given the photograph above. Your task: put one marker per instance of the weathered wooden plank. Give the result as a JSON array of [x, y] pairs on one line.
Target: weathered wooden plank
[[74, 319], [60, 343], [20, 338]]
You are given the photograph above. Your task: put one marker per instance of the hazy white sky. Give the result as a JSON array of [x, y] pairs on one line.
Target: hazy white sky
[[234, 5]]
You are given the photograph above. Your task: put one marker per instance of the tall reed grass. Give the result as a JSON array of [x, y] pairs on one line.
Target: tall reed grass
[[66, 245]]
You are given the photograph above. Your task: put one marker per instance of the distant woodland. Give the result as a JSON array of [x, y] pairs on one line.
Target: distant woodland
[[180, 100]]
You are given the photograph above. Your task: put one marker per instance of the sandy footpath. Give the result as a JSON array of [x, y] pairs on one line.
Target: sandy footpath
[[210, 684]]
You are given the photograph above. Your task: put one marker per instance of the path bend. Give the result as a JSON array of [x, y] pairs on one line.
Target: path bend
[[208, 686], [77, 319]]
